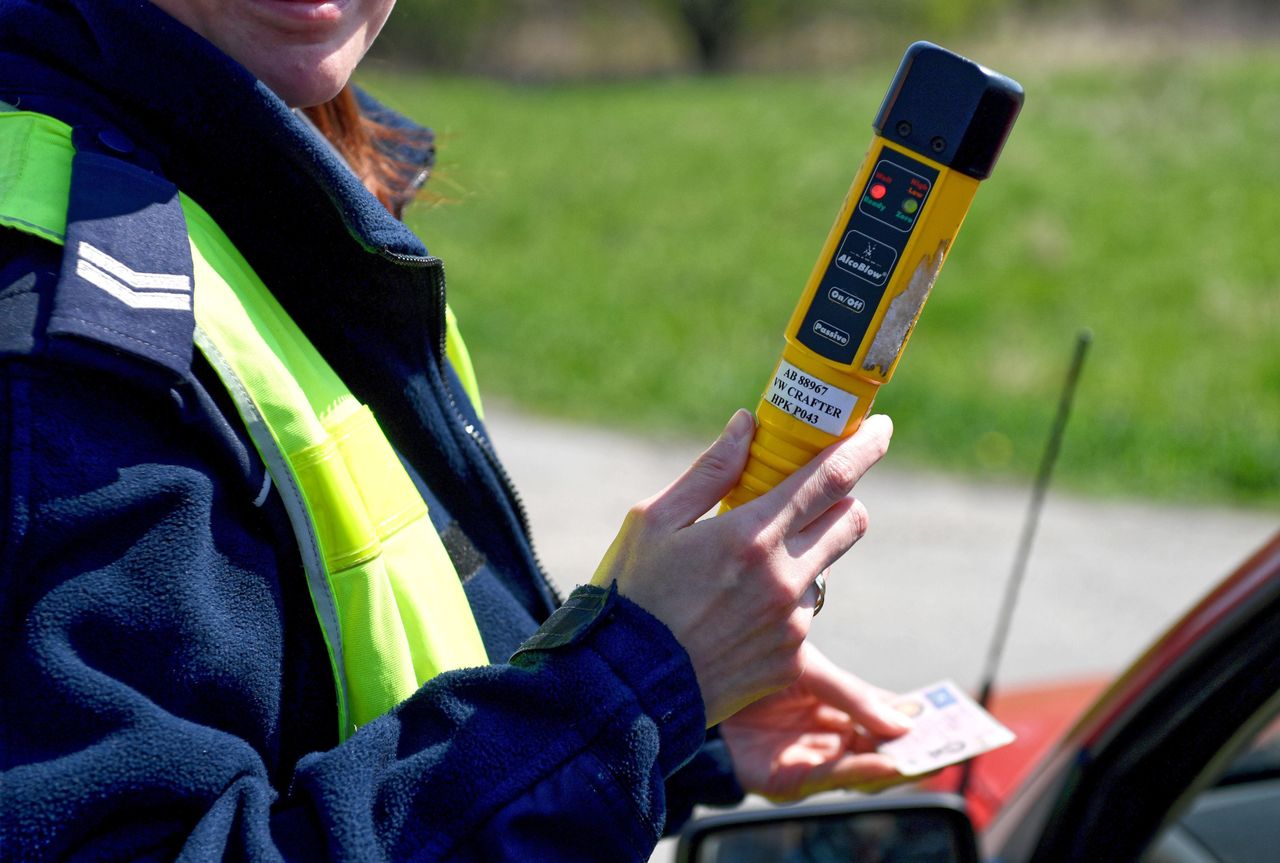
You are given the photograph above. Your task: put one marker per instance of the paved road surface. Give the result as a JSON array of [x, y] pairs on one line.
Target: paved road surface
[[915, 600]]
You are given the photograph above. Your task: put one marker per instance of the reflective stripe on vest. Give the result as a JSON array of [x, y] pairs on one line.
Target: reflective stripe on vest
[[390, 604]]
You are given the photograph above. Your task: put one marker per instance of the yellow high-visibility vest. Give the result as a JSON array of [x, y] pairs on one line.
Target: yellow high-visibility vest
[[389, 602]]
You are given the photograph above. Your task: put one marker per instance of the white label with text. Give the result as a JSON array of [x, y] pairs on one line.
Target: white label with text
[[810, 400]]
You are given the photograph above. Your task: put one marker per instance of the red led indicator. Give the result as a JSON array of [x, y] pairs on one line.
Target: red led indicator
[[878, 191]]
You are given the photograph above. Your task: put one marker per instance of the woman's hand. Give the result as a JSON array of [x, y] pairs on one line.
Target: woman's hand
[[732, 588], [818, 734]]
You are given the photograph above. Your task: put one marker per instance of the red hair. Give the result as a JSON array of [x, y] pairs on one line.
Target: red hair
[[370, 149]]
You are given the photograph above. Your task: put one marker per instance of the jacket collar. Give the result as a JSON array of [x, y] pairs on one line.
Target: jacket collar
[[335, 258]]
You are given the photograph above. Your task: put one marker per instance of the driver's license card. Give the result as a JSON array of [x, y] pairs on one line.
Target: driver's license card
[[949, 727]]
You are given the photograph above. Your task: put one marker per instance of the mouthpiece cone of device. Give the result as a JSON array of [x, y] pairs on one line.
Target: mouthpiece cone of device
[[949, 108]]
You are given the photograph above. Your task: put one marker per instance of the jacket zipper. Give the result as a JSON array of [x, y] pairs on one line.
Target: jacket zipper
[[481, 440]]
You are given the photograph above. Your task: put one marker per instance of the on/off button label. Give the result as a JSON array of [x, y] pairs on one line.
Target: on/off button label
[[846, 300]]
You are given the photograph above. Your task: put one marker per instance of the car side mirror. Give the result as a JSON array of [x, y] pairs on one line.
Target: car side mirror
[[930, 828]]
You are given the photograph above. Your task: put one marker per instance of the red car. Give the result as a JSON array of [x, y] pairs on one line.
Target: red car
[[1177, 761]]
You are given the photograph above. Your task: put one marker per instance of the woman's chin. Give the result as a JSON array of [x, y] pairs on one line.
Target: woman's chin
[[302, 86]]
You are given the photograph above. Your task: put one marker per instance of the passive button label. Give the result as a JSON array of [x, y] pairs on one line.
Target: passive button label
[[834, 333]]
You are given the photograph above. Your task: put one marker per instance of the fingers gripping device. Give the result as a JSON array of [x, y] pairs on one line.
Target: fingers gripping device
[[937, 135]]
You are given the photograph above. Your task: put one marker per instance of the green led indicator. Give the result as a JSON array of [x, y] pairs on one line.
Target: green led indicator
[[910, 205]]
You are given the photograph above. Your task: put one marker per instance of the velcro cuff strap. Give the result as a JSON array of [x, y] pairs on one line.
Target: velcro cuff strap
[[581, 612]]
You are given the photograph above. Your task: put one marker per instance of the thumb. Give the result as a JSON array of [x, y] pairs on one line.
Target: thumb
[[711, 476], [865, 703]]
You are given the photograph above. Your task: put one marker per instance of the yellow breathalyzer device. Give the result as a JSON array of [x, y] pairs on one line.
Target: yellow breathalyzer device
[[937, 135]]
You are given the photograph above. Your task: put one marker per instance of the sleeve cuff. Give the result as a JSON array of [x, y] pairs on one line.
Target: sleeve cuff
[[645, 656]]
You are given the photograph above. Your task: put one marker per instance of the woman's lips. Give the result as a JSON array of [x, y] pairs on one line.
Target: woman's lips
[[304, 10]]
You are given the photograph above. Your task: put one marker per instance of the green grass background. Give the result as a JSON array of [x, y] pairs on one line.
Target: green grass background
[[628, 253]]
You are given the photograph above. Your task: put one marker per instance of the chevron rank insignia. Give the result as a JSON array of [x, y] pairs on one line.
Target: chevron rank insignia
[[126, 278]]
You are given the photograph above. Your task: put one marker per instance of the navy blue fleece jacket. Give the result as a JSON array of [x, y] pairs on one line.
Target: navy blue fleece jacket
[[164, 689]]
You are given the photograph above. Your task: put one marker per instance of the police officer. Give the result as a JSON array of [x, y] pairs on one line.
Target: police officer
[[267, 591]]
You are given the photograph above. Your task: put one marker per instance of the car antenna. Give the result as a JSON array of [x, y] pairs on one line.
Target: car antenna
[[1047, 461]]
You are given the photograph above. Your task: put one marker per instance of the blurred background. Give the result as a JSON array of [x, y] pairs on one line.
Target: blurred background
[[630, 195]]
